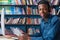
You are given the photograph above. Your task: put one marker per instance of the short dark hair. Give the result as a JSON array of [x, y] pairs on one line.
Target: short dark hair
[[45, 2]]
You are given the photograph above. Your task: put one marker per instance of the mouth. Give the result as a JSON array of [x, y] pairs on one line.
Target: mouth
[[43, 15]]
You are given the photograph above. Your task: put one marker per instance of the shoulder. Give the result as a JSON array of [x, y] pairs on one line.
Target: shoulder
[[55, 19]]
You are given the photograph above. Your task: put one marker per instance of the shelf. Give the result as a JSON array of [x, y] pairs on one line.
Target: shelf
[[54, 6], [33, 16], [15, 16], [35, 35], [14, 24], [34, 6], [12, 5], [22, 16], [32, 24], [22, 24], [19, 15]]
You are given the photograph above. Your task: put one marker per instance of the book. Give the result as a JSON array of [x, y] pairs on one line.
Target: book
[[16, 1], [34, 2], [7, 10], [0, 2], [18, 10], [5, 2], [27, 2], [34, 11], [13, 2], [33, 31], [20, 2], [8, 31], [30, 31], [12, 8], [10, 20], [58, 13], [0, 9], [23, 11], [15, 21], [29, 10], [32, 20], [30, 2], [21, 21], [35, 21], [5, 20], [53, 11], [23, 2], [17, 31], [28, 21], [54, 2]]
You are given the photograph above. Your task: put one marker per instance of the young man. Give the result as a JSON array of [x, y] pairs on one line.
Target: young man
[[50, 25]]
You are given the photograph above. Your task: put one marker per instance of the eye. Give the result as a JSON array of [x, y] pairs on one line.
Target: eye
[[39, 9]]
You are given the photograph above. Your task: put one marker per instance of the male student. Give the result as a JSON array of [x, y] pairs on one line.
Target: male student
[[50, 25]]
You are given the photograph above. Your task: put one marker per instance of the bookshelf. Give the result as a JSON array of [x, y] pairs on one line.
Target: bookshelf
[[23, 15]]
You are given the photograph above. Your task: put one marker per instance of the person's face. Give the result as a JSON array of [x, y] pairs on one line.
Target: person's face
[[43, 10]]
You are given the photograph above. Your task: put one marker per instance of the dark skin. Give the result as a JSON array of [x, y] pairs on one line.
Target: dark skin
[[43, 11]]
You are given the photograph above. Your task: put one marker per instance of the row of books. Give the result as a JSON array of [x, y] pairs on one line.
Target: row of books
[[22, 20], [34, 2], [32, 11], [12, 10], [14, 31], [24, 2], [54, 2], [12, 2], [33, 21], [19, 32], [14, 21], [55, 11], [19, 10], [33, 31]]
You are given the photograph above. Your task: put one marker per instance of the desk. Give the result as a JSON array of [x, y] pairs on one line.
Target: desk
[[6, 38]]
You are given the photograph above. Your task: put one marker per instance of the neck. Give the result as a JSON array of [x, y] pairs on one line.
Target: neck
[[46, 17]]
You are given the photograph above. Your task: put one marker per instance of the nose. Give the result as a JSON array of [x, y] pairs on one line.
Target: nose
[[42, 11]]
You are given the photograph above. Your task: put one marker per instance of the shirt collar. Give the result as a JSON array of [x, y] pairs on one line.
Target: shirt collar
[[49, 19]]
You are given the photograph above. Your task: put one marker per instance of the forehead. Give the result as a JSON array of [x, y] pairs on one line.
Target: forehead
[[42, 5]]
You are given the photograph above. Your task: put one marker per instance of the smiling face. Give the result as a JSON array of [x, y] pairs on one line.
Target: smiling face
[[43, 10]]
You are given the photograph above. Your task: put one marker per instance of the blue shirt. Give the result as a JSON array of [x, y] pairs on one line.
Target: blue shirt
[[50, 29]]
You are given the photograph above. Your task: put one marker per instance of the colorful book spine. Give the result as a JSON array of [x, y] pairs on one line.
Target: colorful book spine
[[23, 11], [20, 11], [13, 2], [30, 2], [20, 2], [23, 2], [7, 9], [12, 8], [34, 2], [16, 1], [28, 20], [29, 10], [0, 9], [27, 2], [5, 2], [58, 12]]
